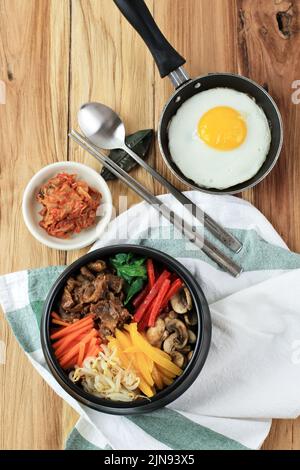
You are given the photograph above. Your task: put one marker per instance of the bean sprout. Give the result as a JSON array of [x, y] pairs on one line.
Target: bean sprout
[[104, 377]]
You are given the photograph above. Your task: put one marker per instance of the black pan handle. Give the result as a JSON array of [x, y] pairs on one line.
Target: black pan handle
[[138, 15]]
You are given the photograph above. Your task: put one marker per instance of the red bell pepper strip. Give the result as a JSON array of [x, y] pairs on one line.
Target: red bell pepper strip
[[174, 288], [152, 294], [140, 297], [155, 309], [143, 324], [150, 272]]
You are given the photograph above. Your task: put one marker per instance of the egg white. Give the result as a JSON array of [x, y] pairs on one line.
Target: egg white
[[205, 165]]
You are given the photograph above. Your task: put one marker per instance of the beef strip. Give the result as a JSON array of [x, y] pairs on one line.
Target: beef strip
[[97, 266], [68, 316], [111, 315], [115, 283], [87, 273], [72, 283], [96, 290], [82, 279], [67, 301]]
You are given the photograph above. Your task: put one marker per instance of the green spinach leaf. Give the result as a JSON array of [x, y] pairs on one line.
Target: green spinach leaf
[[134, 288], [133, 270]]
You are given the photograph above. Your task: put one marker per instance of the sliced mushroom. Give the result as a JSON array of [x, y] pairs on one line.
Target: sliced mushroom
[[172, 315], [186, 349], [164, 336], [182, 301], [178, 359], [156, 334], [190, 355], [170, 344], [190, 318], [179, 337], [192, 337]]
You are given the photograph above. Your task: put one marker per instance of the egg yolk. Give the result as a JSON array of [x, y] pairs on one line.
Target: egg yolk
[[222, 128]]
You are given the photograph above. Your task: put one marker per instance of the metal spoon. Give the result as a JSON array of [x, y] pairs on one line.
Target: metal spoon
[[105, 129], [187, 230]]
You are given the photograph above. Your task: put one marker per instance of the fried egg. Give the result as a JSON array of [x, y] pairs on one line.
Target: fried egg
[[219, 138]]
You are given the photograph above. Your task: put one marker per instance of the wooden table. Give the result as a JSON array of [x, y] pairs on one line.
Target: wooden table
[[57, 54]]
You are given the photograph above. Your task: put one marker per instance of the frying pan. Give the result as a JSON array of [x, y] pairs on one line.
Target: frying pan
[[170, 64]]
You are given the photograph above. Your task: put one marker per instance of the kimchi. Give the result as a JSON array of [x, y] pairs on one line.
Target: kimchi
[[69, 205]]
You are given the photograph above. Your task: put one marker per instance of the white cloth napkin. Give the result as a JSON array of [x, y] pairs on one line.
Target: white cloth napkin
[[252, 371]]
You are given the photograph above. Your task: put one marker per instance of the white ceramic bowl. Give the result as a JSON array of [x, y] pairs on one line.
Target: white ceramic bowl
[[31, 208]]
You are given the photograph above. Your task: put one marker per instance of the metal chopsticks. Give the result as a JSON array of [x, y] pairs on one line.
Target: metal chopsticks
[[227, 239], [206, 246]]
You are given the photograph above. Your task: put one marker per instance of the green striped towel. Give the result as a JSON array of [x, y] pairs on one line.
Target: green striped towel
[[252, 371]]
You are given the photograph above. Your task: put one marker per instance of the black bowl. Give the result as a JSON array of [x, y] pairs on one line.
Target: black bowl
[[180, 384]]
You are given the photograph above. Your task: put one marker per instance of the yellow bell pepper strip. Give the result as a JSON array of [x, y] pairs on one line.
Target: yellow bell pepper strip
[[157, 378], [140, 365], [165, 372], [151, 351], [146, 389], [161, 352], [131, 350], [134, 350], [150, 363], [128, 361], [123, 339], [167, 381], [125, 360], [143, 368], [132, 357], [164, 354]]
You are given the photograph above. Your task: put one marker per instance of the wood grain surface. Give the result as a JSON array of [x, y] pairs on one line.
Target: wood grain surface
[[57, 54]]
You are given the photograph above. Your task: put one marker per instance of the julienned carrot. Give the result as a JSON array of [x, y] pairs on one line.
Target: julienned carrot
[[61, 352], [71, 362], [90, 347], [174, 288], [73, 327], [65, 347], [140, 297], [94, 352], [55, 315], [150, 272], [75, 359], [155, 309], [60, 322], [61, 345], [81, 353], [64, 331], [66, 357], [73, 335], [152, 294]]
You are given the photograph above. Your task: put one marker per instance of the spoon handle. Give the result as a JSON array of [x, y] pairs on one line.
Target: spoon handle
[[228, 240], [187, 230]]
